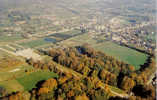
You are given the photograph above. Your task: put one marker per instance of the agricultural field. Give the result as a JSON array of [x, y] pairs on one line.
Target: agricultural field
[[38, 42], [8, 77], [16, 79], [10, 38], [122, 53], [47, 41], [125, 54], [66, 35]]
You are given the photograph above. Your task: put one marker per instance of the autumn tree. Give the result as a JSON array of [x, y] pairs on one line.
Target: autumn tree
[[127, 84], [82, 97]]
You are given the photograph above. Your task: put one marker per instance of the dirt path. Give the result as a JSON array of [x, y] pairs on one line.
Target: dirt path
[[14, 70], [120, 95]]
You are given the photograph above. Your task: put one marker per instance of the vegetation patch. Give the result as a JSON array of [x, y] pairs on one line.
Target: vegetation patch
[[125, 54], [29, 81], [11, 85], [10, 38], [8, 77], [61, 35], [35, 43], [50, 40], [66, 35]]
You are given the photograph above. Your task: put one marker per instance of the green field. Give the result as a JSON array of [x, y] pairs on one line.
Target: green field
[[35, 43], [125, 54], [30, 81], [10, 38]]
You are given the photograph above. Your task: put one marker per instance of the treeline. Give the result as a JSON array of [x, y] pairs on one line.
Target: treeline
[[98, 71]]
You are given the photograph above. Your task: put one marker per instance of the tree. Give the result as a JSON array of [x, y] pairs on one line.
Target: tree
[[19, 96], [3, 91], [108, 77], [127, 84], [85, 70], [70, 94], [43, 90], [82, 97], [50, 84]]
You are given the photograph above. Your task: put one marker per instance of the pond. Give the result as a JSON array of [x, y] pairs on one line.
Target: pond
[[133, 21], [50, 40]]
